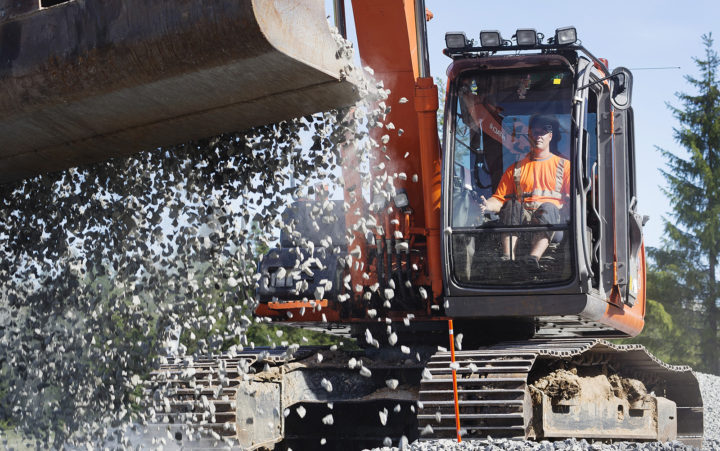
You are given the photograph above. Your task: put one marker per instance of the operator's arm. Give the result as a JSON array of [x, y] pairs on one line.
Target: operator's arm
[[505, 187]]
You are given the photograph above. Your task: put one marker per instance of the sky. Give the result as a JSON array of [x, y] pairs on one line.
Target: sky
[[630, 33]]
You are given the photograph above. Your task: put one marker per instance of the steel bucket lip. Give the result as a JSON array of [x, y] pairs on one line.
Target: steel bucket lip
[[115, 77]]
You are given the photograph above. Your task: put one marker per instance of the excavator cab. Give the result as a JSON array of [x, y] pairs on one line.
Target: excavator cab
[[492, 137], [588, 279]]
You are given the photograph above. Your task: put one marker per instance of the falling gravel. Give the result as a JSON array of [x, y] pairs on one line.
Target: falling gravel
[[107, 269]]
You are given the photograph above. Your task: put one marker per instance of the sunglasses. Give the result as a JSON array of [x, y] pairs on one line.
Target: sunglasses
[[539, 131]]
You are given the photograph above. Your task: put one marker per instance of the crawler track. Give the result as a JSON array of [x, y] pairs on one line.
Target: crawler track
[[493, 393], [253, 398], [195, 401]]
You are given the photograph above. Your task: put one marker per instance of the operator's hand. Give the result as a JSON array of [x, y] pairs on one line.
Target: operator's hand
[[483, 204]]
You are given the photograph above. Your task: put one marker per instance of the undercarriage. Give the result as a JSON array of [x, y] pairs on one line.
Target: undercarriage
[[535, 389]]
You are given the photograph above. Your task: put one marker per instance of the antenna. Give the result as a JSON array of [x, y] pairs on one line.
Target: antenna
[[656, 68]]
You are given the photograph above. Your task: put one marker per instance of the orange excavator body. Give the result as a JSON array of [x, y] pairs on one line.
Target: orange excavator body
[[387, 36], [391, 53]]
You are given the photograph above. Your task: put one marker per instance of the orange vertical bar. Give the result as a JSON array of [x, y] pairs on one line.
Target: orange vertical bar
[[426, 105], [454, 374]]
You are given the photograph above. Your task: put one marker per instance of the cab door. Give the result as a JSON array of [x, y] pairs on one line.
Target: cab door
[[620, 250], [630, 244]]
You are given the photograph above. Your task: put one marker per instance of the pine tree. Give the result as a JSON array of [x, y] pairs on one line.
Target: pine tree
[[692, 237]]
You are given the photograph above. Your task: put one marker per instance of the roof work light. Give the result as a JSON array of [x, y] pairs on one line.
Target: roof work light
[[526, 36], [455, 40], [490, 38], [565, 35]]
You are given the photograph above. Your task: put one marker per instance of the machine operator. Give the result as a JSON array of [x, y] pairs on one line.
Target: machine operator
[[534, 190]]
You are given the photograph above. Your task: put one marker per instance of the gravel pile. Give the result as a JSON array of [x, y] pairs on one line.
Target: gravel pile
[[709, 387], [517, 445]]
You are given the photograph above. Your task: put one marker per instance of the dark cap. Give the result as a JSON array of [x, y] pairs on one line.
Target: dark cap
[[545, 121]]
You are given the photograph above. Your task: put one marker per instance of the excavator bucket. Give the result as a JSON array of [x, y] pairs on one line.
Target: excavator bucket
[[83, 81]]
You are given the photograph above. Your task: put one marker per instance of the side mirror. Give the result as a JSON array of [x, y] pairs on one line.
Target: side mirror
[[621, 82]]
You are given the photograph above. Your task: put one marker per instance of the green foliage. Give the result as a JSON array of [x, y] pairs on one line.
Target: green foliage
[[671, 336], [6, 423], [275, 335], [442, 93], [260, 247], [688, 259]]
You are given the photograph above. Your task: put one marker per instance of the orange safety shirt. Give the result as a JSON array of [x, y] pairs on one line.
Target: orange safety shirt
[[539, 181]]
